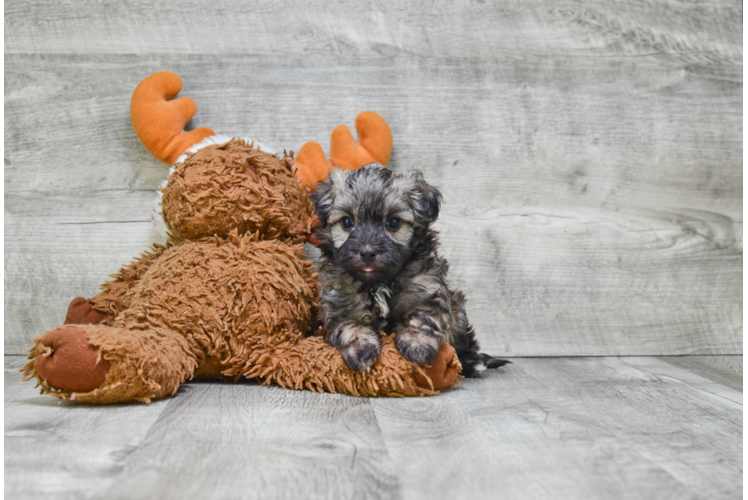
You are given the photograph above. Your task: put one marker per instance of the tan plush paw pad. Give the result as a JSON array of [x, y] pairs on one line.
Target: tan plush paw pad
[[443, 372], [81, 312], [71, 363]]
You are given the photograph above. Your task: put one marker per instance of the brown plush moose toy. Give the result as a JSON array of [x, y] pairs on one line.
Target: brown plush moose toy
[[230, 295]]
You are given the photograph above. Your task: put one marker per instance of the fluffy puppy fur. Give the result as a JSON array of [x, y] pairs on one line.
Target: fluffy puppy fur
[[380, 270]]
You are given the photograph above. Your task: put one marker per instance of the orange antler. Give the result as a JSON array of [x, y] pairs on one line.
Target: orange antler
[[374, 142], [159, 121], [374, 145], [311, 164]]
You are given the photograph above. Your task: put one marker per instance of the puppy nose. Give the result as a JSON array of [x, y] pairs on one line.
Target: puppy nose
[[368, 253]]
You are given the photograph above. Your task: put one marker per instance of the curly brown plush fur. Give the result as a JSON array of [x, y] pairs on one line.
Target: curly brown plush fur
[[227, 187], [230, 296]]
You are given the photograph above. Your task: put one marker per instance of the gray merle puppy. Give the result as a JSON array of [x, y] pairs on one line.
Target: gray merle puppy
[[380, 270]]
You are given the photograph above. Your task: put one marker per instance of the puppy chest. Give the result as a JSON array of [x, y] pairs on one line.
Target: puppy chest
[[380, 295]]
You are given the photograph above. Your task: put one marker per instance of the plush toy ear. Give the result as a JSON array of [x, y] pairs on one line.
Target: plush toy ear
[[374, 143], [159, 121]]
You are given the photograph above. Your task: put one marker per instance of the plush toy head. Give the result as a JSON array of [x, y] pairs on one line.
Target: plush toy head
[[235, 186], [190, 208]]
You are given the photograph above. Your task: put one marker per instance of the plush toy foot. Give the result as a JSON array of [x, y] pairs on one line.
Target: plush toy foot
[[72, 364], [443, 372], [81, 312], [104, 364]]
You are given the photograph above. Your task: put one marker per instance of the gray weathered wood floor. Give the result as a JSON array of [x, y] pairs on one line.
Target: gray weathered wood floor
[[566, 428]]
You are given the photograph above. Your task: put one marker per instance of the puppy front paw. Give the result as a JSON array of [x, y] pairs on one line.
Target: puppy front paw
[[359, 345], [360, 356], [416, 343]]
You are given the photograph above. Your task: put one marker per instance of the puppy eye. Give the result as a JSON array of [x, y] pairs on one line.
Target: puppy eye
[[346, 222], [394, 223]]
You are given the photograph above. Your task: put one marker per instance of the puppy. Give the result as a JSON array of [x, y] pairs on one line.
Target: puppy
[[380, 270]]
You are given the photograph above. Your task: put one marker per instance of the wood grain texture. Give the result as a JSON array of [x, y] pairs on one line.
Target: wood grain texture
[[212, 440], [244, 441], [720, 369], [57, 449], [429, 28], [567, 428], [589, 156], [571, 428]]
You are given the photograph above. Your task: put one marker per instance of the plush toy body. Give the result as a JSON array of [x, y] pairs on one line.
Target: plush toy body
[[231, 294]]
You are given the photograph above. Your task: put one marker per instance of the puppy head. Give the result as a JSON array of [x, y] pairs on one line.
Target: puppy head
[[373, 220]]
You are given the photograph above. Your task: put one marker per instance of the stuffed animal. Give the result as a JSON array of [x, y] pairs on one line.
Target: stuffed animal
[[231, 294]]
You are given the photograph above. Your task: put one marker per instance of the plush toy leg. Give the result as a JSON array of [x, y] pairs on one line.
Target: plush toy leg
[[314, 364], [103, 364], [82, 312]]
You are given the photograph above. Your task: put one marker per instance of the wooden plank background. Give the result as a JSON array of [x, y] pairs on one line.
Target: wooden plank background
[[589, 154]]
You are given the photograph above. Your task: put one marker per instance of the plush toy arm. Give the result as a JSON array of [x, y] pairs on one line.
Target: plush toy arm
[[314, 364], [159, 121]]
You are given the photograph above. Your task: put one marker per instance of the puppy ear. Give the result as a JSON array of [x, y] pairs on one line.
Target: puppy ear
[[323, 201], [324, 196], [427, 198]]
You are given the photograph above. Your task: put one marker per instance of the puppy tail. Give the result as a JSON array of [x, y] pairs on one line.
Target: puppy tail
[[468, 351], [464, 341], [474, 362], [492, 362]]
